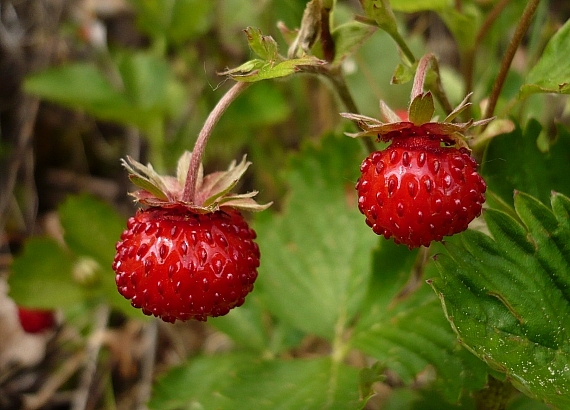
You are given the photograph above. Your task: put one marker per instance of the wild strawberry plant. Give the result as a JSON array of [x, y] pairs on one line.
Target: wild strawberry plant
[[458, 297]]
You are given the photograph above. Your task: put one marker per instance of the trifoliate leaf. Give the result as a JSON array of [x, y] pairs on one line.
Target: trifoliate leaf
[[242, 381], [403, 327], [317, 252], [508, 296]]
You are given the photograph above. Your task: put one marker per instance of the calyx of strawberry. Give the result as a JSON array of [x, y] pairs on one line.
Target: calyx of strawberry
[[213, 191], [421, 117]]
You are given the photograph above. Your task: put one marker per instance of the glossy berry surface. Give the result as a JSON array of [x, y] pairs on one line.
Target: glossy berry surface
[[176, 264], [36, 320], [417, 191]]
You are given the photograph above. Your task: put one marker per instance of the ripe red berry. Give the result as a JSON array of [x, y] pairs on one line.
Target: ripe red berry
[[417, 191], [36, 320], [176, 264]]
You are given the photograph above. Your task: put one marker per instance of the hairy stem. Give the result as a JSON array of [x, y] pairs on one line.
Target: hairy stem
[[436, 88], [200, 146], [520, 31], [339, 84], [469, 56]]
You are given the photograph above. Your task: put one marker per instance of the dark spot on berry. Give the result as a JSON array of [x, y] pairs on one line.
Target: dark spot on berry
[[135, 279], [376, 157], [184, 247], [163, 251], [438, 205], [447, 180], [203, 255], [428, 184], [392, 185], [400, 209], [379, 200], [365, 165], [139, 228], [206, 284], [221, 240], [420, 217], [374, 212], [148, 265], [412, 188], [380, 167], [209, 238], [160, 287], [143, 249], [394, 156], [436, 166], [406, 158], [364, 186], [150, 229], [458, 162], [422, 159], [177, 287]]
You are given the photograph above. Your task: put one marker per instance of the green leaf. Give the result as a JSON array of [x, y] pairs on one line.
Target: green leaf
[[381, 12], [462, 24], [348, 38], [41, 276], [257, 70], [78, 85], [551, 74], [241, 381], [245, 325], [403, 327], [264, 46], [91, 227], [514, 162], [508, 296], [403, 73], [412, 6], [422, 109], [316, 253], [175, 20]]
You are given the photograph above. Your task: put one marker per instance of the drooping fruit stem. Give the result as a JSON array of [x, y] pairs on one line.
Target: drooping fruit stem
[[520, 31], [436, 88], [200, 146]]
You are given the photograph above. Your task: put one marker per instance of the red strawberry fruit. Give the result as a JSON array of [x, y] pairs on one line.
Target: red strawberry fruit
[[36, 320], [424, 185], [184, 261]]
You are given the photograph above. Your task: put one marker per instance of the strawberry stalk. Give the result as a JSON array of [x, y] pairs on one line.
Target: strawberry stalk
[[420, 78], [520, 31], [189, 193]]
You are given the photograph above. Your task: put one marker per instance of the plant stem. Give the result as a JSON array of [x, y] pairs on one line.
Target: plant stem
[[200, 146], [339, 84], [437, 88], [520, 31]]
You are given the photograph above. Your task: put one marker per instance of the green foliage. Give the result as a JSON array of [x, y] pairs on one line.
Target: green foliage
[[514, 162], [52, 275], [325, 278], [317, 251], [507, 296], [135, 89], [402, 326], [551, 74], [242, 381]]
